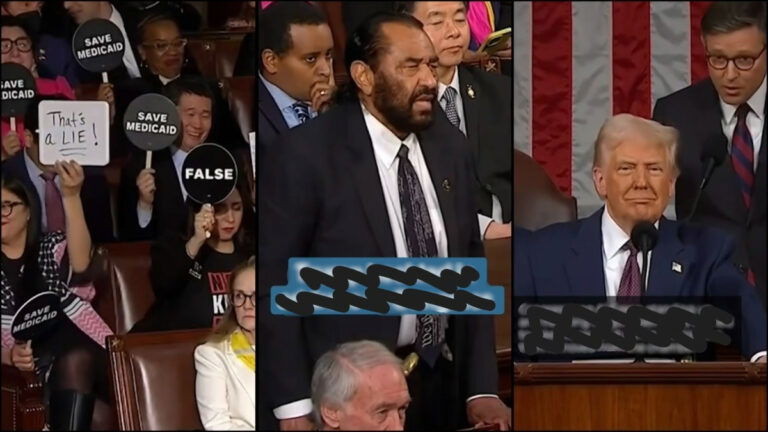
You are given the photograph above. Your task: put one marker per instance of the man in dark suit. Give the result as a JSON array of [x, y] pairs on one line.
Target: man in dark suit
[[728, 109], [634, 173], [42, 179], [335, 187], [479, 104], [295, 68]]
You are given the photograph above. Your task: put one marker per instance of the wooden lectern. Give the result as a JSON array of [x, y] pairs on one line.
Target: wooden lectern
[[640, 396]]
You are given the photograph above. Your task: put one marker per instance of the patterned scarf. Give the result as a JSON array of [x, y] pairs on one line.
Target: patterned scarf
[[243, 349]]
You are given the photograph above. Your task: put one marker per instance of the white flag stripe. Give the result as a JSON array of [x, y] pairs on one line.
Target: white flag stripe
[[522, 77], [592, 93]]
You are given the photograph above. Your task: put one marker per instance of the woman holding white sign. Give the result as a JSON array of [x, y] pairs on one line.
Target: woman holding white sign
[[70, 359]]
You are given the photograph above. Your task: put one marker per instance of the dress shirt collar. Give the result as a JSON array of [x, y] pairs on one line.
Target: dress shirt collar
[[282, 99], [756, 102], [454, 83], [614, 238], [33, 170], [385, 143]]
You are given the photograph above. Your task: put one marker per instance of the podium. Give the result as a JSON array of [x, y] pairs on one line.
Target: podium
[[640, 396]]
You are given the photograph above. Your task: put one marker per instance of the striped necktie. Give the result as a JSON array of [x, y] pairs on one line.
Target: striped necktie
[[743, 155], [301, 110]]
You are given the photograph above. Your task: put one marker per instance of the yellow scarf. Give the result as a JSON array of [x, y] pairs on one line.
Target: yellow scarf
[[242, 349]]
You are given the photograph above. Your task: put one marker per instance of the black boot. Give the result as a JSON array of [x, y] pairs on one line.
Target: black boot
[[71, 411]]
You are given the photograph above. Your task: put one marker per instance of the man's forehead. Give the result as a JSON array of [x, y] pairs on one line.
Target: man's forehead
[[407, 42], [307, 38]]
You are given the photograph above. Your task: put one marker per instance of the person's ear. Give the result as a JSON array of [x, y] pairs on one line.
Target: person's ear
[[270, 60], [598, 178], [330, 416], [29, 138], [363, 76]]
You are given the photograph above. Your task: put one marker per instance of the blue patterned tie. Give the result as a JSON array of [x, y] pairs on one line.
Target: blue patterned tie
[[420, 240], [301, 110], [742, 154], [450, 106]]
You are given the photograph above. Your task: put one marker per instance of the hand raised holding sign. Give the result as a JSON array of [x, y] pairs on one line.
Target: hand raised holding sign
[[146, 184], [204, 223], [72, 177], [11, 144], [22, 357]]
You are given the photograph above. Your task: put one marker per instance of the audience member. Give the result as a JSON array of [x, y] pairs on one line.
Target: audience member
[[226, 364], [478, 103], [190, 273], [73, 352], [359, 386]]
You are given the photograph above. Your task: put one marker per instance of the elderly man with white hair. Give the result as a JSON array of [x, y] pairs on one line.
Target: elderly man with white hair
[[359, 386], [634, 172]]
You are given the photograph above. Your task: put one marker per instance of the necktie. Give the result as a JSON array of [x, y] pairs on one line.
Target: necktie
[[742, 155], [449, 96], [54, 208], [420, 240], [630, 279], [302, 111]]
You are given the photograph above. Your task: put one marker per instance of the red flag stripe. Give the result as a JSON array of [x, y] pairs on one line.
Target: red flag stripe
[[698, 56], [552, 90], [632, 58]]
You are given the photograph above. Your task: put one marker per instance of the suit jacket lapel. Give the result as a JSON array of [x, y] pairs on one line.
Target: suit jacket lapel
[[585, 270], [269, 109], [440, 172], [367, 181], [669, 262], [242, 373], [471, 107]]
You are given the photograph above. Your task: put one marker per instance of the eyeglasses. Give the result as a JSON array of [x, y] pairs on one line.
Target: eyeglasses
[[240, 299], [23, 44], [162, 46], [742, 63], [8, 207]]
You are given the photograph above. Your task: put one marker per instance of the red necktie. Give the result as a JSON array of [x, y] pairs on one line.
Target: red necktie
[[54, 209], [630, 286]]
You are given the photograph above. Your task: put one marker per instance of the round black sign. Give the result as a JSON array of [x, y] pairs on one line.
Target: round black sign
[[98, 45], [37, 316], [209, 173], [152, 122], [18, 88]]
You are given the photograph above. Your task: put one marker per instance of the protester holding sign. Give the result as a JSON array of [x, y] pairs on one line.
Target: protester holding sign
[[17, 47], [43, 180], [73, 352], [190, 272]]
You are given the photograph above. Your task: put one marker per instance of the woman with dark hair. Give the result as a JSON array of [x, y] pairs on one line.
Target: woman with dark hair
[[190, 273], [225, 385], [70, 358]]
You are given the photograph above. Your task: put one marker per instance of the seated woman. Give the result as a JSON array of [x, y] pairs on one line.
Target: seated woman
[[190, 273], [18, 47], [226, 364], [70, 358]]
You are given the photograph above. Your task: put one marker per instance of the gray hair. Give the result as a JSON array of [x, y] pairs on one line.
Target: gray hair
[[616, 128], [337, 372], [729, 16]]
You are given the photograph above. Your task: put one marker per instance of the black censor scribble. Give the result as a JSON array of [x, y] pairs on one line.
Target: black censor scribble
[[377, 299], [658, 330]]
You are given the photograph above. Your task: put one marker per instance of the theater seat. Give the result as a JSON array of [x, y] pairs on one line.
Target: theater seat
[[537, 200], [22, 400], [123, 288], [239, 92], [153, 379], [215, 53]]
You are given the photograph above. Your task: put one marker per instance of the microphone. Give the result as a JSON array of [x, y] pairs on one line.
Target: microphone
[[644, 237], [712, 157]]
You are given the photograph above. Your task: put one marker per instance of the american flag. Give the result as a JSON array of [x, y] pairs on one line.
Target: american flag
[[578, 63]]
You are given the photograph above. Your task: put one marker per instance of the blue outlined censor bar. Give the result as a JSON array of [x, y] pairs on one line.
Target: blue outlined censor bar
[[387, 286]]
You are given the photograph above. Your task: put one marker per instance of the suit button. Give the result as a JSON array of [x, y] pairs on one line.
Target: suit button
[[741, 268]]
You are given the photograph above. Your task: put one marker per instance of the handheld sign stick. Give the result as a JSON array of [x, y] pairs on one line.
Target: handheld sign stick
[[209, 175], [13, 124], [104, 77], [151, 123]]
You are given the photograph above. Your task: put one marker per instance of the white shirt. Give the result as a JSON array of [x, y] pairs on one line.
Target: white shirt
[[385, 148], [755, 120], [614, 259], [496, 212], [179, 155], [39, 183], [165, 80], [129, 59]]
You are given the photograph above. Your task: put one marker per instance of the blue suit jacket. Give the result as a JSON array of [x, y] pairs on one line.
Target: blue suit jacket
[[565, 259]]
